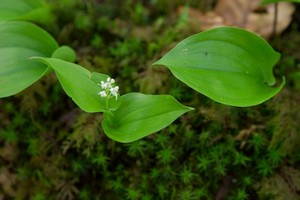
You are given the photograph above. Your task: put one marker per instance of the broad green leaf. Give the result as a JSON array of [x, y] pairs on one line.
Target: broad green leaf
[[30, 10], [77, 82], [98, 77], [18, 42], [264, 2], [229, 65], [65, 53], [140, 115]]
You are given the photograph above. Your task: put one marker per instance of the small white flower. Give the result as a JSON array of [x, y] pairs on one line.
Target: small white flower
[[104, 85], [102, 93], [108, 88], [114, 91], [110, 82]]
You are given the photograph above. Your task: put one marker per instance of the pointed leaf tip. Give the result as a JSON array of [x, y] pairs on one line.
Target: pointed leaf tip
[[78, 83], [140, 115], [229, 65]]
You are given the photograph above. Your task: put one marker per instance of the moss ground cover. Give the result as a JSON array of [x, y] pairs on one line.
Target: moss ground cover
[[49, 149]]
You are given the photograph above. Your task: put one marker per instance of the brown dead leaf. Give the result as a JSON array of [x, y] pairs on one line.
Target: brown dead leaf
[[242, 13], [201, 21], [235, 12], [244, 134], [262, 23]]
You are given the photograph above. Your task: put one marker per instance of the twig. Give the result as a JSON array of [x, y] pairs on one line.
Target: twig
[[275, 18]]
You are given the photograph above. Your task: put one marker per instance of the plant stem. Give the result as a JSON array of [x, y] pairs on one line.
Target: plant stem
[[275, 18], [106, 103]]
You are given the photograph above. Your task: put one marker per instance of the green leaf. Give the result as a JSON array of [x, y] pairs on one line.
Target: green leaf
[[264, 2], [30, 10], [18, 42], [140, 115], [229, 65], [78, 83], [65, 53]]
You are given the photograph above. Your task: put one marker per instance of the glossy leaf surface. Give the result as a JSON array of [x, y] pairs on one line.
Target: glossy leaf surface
[[65, 53], [18, 42], [230, 65], [78, 83], [264, 2], [140, 115], [29, 10]]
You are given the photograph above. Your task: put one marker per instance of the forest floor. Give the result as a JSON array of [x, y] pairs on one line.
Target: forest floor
[[50, 149]]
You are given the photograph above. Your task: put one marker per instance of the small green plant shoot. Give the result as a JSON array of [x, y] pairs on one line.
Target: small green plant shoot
[[229, 65]]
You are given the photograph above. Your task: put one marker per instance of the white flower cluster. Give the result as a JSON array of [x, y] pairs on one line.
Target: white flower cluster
[[108, 88]]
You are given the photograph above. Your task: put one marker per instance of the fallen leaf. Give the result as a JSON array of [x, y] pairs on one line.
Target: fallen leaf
[[244, 14], [244, 134], [262, 23], [201, 21], [235, 12]]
